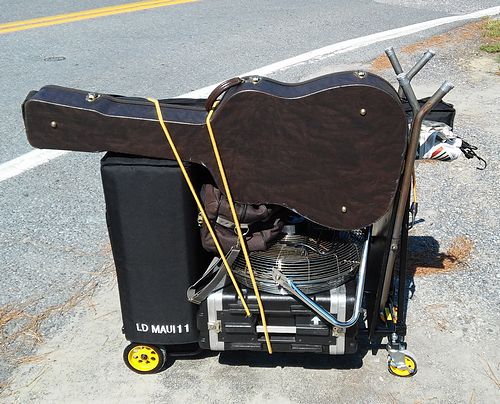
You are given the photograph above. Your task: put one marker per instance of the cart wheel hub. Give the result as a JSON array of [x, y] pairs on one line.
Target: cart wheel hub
[[143, 358], [408, 370]]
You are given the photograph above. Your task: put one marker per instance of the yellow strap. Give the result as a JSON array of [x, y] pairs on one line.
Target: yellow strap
[[199, 204], [238, 229], [414, 183]]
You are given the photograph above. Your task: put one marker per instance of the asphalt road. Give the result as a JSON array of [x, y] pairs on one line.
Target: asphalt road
[[172, 50], [52, 227]]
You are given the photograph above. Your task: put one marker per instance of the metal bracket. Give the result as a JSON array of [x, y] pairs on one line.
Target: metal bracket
[[91, 97], [396, 350], [215, 326], [337, 331], [397, 359]]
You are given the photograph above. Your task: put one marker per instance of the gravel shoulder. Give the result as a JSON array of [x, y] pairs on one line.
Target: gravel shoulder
[[453, 320]]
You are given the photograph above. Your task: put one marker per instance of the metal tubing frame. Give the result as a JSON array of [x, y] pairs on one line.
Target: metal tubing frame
[[406, 182], [320, 311], [391, 54], [428, 55], [404, 83], [407, 89], [401, 317]]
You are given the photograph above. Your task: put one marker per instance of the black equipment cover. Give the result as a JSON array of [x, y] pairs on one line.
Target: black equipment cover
[[152, 222]]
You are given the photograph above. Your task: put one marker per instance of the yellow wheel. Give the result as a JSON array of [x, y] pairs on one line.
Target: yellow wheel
[[410, 370], [142, 358]]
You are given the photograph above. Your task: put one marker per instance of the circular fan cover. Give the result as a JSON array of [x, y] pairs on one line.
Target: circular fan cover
[[314, 265]]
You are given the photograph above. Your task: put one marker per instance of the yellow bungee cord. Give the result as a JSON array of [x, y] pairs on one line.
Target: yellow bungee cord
[[414, 186], [238, 228], [199, 204]]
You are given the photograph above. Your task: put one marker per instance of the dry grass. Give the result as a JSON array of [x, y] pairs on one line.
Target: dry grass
[[490, 373], [28, 359], [463, 33], [435, 311], [468, 31], [430, 263], [380, 63], [21, 328], [4, 385], [20, 325], [15, 321]]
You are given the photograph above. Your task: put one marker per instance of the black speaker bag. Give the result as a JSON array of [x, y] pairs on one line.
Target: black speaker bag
[[156, 246]]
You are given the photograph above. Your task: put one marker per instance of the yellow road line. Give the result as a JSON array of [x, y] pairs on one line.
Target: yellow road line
[[86, 14]]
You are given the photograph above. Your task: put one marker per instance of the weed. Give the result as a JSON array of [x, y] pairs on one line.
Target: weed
[[491, 34], [491, 48]]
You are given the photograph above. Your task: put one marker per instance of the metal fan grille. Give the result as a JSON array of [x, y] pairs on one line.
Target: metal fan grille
[[314, 265]]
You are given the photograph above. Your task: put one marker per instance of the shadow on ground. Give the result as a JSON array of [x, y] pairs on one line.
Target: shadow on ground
[[283, 360], [424, 258]]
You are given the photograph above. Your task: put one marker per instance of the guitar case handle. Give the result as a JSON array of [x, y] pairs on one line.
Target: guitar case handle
[[220, 89]]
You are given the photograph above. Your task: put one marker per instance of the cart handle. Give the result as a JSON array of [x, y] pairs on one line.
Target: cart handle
[[411, 153]]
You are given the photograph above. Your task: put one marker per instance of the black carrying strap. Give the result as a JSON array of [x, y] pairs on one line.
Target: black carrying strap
[[221, 89], [469, 151], [214, 278]]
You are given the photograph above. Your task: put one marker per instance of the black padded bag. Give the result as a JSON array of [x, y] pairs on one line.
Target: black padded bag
[[442, 112], [152, 223]]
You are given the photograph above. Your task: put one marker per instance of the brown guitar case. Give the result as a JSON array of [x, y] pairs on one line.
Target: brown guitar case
[[330, 149]]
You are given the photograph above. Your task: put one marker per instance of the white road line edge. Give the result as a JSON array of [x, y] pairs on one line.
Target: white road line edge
[[36, 158], [28, 161], [350, 45]]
